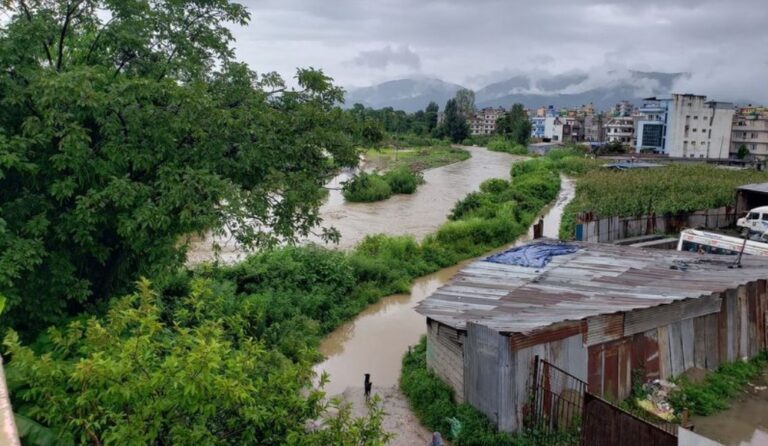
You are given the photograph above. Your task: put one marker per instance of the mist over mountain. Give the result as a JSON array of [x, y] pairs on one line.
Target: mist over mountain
[[403, 94], [532, 90]]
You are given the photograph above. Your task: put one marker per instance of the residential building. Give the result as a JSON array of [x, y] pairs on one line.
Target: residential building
[[652, 126], [538, 122], [697, 128], [620, 129], [594, 130], [623, 108], [632, 314], [484, 121], [573, 129], [750, 129], [553, 128]]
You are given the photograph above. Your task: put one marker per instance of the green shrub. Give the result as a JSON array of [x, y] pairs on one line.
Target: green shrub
[[403, 181], [718, 388], [499, 144], [366, 187]]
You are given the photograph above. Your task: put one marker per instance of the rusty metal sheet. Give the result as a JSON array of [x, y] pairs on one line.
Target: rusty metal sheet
[[700, 342], [645, 354], [676, 349], [752, 309], [712, 334], [611, 371], [625, 369], [563, 330], [686, 333], [665, 367], [595, 369], [604, 328]]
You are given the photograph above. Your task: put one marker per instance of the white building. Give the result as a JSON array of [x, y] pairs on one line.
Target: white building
[[620, 129], [553, 128], [750, 129], [697, 128]]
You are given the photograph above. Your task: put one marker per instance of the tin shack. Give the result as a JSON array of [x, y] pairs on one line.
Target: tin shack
[[597, 311]]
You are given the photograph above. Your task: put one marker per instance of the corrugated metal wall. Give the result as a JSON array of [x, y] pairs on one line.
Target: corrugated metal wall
[[661, 341], [666, 341], [445, 355]]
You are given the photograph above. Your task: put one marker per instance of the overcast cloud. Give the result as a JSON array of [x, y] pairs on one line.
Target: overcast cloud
[[721, 43]]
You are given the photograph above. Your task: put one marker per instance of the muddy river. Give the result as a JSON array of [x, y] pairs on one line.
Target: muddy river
[[417, 214], [375, 341]]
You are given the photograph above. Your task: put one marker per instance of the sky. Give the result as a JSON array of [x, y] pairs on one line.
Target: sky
[[722, 44]]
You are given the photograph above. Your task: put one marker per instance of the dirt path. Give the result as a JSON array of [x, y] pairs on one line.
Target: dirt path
[[398, 418]]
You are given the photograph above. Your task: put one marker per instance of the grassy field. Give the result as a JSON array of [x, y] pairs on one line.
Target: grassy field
[[415, 159]]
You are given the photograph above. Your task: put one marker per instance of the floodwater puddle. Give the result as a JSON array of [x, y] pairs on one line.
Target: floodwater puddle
[[375, 341], [745, 423]]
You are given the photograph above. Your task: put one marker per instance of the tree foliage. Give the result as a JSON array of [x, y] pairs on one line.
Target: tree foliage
[[455, 126], [125, 126], [515, 126], [465, 103], [151, 373]]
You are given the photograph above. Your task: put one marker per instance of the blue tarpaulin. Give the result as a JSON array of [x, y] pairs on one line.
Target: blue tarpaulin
[[535, 255]]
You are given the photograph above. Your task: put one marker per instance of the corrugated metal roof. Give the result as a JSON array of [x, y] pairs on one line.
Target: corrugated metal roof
[[598, 279], [755, 187]]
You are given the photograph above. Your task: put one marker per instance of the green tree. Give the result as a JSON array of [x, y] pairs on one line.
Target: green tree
[[431, 116], [151, 373], [743, 152], [465, 102], [126, 126], [454, 125], [515, 125]]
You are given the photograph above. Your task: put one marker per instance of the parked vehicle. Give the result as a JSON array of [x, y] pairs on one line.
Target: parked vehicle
[[756, 221]]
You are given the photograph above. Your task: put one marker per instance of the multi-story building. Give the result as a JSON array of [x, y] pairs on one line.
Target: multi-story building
[[484, 121], [652, 126], [697, 128], [620, 129], [553, 128], [573, 129], [623, 108], [538, 122], [594, 130], [750, 129]]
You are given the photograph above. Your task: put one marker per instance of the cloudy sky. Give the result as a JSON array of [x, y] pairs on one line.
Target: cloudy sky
[[723, 44]]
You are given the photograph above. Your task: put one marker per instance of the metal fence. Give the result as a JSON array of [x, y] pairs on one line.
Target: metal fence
[[591, 228], [604, 424], [557, 400]]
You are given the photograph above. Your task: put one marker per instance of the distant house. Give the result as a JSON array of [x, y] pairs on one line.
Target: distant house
[[484, 121], [698, 128], [750, 129], [620, 129], [600, 314]]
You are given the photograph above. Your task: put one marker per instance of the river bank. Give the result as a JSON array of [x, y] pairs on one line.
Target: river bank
[[417, 214]]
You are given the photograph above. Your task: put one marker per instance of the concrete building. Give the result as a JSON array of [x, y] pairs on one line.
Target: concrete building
[[553, 128], [484, 121], [697, 128], [623, 108], [750, 129], [652, 126], [600, 312], [573, 129], [594, 130], [620, 129]]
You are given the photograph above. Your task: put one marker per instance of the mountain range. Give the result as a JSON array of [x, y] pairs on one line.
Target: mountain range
[[563, 90]]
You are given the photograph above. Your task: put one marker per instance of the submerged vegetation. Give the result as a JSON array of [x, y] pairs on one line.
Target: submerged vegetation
[[374, 187]]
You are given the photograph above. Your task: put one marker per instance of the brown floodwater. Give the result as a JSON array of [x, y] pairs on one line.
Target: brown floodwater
[[745, 423], [375, 341], [417, 214]]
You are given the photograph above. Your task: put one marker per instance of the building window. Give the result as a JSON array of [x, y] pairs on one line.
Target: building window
[[695, 117]]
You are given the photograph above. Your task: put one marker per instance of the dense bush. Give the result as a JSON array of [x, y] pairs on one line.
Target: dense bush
[[499, 144], [366, 187], [672, 189], [403, 181]]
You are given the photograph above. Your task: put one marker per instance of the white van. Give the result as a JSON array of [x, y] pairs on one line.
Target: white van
[[756, 220]]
